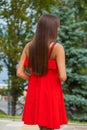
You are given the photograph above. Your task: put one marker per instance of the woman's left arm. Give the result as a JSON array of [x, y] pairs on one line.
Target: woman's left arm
[[21, 69]]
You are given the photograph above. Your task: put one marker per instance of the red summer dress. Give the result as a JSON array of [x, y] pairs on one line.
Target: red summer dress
[[44, 104]]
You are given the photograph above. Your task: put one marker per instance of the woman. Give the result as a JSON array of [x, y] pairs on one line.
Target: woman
[[45, 62]]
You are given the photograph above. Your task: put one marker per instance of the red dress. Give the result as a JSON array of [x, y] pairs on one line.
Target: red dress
[[44, 104]]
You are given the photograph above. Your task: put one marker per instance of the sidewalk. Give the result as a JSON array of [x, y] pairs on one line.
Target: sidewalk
[[68, 127], [8, 124]]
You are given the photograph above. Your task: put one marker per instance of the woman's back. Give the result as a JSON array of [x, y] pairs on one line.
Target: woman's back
[[56, 57], [52, 64]]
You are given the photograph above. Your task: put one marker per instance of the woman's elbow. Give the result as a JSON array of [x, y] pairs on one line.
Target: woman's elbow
[[18, 73]]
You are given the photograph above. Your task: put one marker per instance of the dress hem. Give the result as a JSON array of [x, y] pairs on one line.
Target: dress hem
[[39, 124]]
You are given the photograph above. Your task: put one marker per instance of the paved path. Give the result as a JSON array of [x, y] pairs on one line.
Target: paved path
[[6, 124]]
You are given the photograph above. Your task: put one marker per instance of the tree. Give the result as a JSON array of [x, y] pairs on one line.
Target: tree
[[72, 35], [14, 38], [20, 19]]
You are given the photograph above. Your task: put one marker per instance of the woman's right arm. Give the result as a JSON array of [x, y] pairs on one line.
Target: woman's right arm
[[60, 58], [21, 69]]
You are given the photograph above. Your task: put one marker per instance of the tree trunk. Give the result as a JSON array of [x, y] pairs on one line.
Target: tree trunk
[[13, 104]]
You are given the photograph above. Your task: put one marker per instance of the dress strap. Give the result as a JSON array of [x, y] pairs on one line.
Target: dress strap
[[51, 48]]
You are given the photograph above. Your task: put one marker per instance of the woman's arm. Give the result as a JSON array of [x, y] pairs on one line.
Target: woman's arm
[[21, 69], [60, 58]]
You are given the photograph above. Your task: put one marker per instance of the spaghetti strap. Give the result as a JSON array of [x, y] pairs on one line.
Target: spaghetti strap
[[51, 48]]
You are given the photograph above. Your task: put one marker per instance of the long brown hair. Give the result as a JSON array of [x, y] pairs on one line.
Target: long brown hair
[[46, 33]]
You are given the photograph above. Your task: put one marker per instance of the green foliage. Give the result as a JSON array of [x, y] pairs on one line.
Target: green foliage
[[20, 18], [3, 91], [13, 40], [75, 101], [72, 35]]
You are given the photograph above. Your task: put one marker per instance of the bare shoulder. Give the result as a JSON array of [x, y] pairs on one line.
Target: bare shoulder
[[26, 48], [27, 45], [58, 48]]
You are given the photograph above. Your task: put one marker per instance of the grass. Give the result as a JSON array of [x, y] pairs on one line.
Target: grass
[[77, 122], [5, 116], [2, 113], [10, 117]]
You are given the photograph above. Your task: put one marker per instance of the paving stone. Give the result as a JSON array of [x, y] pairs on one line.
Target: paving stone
[[6, 124]]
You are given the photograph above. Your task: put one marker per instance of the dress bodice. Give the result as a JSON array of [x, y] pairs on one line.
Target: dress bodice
[[51, 63]]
